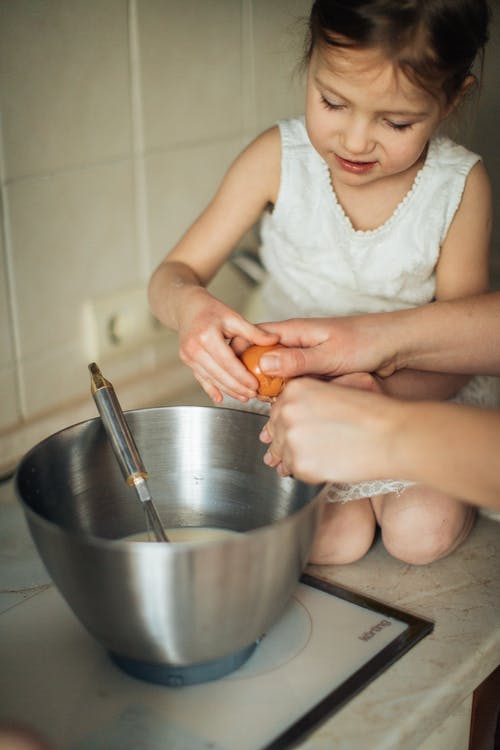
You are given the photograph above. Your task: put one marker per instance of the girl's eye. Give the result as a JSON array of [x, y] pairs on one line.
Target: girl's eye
[[329, 105], [399, 125]]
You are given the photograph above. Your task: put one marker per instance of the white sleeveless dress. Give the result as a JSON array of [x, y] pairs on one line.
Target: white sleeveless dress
[[319, 265]]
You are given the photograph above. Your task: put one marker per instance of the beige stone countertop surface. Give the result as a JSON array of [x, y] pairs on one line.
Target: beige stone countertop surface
[[461, 594]]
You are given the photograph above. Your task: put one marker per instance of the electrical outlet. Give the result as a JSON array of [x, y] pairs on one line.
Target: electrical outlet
[[120, 323]]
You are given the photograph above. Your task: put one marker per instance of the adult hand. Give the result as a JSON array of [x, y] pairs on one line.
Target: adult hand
[[324, 432], [329, 347]]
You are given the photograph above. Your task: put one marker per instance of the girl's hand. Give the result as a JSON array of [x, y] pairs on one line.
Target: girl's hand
[[321, 432], [205, 327]]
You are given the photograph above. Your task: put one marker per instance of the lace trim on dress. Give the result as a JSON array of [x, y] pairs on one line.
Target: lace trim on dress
[[341, 492], [397, 211]]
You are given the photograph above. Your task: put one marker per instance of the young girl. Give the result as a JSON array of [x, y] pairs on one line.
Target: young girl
[[366, 209]]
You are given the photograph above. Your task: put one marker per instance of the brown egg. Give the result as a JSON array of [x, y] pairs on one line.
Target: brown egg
[[270, 386]]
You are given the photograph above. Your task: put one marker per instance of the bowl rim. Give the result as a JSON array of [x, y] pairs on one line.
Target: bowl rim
[[122, 543]]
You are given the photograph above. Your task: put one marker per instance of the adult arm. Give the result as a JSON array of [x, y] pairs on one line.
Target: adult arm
[[456, 336]]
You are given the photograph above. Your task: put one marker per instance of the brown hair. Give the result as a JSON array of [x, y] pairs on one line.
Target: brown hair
[[434, 42]]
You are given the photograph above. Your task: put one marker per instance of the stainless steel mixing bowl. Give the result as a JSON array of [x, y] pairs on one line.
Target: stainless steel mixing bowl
[[180, 603]]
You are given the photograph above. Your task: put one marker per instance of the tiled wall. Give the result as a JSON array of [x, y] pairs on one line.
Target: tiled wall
[[117, 120]]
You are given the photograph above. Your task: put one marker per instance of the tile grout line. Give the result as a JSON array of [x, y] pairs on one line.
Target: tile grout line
[[249, 113], [138, 163], [13, 321], [89, 166]]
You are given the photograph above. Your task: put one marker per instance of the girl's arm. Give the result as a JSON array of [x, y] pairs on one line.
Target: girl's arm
[[177, 291], [462, 271], [321, 432]]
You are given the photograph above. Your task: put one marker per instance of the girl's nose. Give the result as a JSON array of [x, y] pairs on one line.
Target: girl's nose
[[357, 138]]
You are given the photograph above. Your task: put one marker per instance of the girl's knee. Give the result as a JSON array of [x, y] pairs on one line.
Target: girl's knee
[[425, 527], [345, 533]]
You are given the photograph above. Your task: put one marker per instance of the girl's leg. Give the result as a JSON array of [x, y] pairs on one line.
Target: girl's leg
[[345, 533], [421, 524]]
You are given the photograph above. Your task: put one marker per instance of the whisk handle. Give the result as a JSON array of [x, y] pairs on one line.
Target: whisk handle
[[117, 429]]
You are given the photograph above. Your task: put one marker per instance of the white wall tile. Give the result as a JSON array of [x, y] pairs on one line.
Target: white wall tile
[[64, 83], [190, 56], [57, 376], [180, 183], [279, 29], [73, 238], [52, 378]]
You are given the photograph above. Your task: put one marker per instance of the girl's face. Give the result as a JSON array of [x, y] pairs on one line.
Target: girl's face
[[364, 117]]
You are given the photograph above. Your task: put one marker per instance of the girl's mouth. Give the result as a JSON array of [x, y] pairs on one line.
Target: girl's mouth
[[355, 167]]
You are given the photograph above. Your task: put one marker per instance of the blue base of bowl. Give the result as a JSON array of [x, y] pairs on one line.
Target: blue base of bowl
[[174, 675]]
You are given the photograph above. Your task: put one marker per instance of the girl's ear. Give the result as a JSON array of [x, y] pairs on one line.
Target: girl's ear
[[468, 84]]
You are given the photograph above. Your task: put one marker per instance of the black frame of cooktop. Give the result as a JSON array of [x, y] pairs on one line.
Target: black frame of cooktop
[[417, 629]]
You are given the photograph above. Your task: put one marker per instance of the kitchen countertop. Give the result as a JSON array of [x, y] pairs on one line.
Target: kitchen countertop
[[405, 704], [461, 594]]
